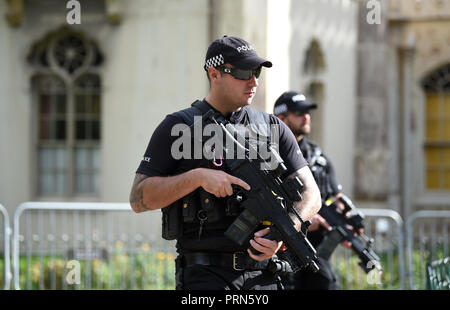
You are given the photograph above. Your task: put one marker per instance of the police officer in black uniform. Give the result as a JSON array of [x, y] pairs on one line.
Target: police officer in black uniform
[[293, 109], [206, 258]]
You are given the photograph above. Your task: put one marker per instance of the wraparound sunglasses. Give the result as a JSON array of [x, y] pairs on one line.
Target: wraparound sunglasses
[[240, 74]]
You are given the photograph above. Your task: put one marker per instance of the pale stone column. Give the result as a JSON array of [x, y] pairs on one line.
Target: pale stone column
[[371, 140]]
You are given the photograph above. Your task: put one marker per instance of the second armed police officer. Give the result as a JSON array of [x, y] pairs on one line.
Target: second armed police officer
[[294, 110]]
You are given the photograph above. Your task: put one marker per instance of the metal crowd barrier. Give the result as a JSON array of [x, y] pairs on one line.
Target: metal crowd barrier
[[105, 242], [386, 228], [427, 241], [63, 245], [6, 242]]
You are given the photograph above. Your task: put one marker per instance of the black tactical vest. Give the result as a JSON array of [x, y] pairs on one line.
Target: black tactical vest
[[199, 219], [318, 165]]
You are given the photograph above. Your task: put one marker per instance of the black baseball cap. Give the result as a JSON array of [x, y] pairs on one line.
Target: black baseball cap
[[293, 102], [234, 51]]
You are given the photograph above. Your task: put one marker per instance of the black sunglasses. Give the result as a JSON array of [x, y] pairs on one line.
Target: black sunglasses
[[241, 74], [301, 113]]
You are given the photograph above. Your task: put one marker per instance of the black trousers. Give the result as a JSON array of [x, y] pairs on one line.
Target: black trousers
[[202, 277], [324, 279]]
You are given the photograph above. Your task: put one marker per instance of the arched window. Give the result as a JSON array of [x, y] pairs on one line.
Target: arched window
[[315, 93], [314, 61], [313, 67], [437, 129], [66, 90]]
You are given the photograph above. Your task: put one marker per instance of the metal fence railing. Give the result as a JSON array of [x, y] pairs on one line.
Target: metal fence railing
[[88, 246], [4, 247], [108, 246], [386, 228], [427, 240]]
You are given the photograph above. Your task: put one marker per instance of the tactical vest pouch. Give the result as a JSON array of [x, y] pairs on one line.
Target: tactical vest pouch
[[189, 207], [171, 221], [201, 207], [211, 204]]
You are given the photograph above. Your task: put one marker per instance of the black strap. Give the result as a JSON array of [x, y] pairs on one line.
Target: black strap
[[313, 151], [238, 261], [197, 108], [258, 119], [201, 105]]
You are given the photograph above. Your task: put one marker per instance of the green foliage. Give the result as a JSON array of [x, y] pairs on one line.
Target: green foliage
[[153, 270], [144, 269], [420, 260], [353, 277], [2, 266]]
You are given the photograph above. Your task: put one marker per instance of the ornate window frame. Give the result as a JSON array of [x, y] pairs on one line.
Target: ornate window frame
[[436, 135], [67, 56]]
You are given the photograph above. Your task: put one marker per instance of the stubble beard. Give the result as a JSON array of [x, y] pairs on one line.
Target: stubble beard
[[302, 130]]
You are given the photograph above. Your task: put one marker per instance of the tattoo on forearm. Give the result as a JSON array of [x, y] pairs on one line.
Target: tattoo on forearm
[[305, 207], [137, 194]]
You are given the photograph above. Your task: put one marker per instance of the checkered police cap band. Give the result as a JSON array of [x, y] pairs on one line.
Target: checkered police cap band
[[214, 62], [280, 109]]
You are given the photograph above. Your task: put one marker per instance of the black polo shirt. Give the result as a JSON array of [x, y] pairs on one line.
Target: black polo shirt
[[158, 161]]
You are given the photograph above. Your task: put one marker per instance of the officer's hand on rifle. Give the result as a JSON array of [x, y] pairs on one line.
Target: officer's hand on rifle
[[347, 244], [318, 221], [218, 182], [267, 247]]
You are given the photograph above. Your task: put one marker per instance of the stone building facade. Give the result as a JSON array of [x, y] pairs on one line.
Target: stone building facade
[[79, 102], [402, 126]]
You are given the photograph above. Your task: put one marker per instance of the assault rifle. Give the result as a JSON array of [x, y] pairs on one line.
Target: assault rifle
[[340, 220], [269, 201]]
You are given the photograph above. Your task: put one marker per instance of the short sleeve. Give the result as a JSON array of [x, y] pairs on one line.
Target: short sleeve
[[157, 159]]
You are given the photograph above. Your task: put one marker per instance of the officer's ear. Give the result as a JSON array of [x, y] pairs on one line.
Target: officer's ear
[[213, 74], [282, 116]]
